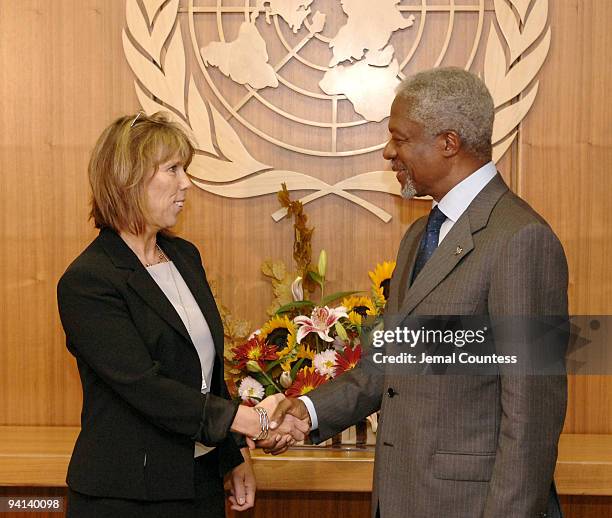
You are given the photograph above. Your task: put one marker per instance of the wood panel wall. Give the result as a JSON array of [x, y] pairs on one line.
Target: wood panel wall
[[565, 148], [65, 78]]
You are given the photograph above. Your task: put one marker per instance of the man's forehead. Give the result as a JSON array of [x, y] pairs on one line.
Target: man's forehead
[[400, 115]]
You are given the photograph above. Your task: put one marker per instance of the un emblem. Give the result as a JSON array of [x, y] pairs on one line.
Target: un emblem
[[324, 68]]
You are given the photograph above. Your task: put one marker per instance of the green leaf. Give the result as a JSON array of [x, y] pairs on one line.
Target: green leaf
[[294, 305], [270, 389], [296, 368], [316, 277], [273, 364], [338, 295]]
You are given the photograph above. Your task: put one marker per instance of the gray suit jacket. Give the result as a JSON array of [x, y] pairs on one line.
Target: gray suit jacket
[[464, 446]]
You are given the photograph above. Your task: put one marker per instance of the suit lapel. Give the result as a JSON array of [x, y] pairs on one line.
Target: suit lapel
[[404, 267], [453, 249], [147, 289], [199, 289], [203, 295], [140, 281], [457, 245]]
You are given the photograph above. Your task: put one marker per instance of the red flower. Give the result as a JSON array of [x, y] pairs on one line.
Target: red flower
[[254, 350], [307, 379], [347, 360]]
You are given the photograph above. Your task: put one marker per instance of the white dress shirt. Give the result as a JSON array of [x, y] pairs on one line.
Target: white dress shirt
[[458, 199], [453, 205]]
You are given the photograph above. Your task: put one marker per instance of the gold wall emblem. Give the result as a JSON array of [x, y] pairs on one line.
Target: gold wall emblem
[[350, 55]]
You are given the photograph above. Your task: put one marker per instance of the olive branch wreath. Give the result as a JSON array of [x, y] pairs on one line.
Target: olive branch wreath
[[153, 46]]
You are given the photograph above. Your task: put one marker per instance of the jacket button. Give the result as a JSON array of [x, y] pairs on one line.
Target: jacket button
[[391, 392]]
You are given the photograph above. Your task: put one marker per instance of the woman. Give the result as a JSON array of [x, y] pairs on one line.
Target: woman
[[141, 321]]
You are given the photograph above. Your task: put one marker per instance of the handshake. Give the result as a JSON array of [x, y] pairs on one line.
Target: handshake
[[279, 422]]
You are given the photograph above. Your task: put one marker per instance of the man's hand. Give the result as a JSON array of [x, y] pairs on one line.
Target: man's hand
[[288, 412], [285, 435], [285, 431], [291, 406], [271, 403], [242, 484]]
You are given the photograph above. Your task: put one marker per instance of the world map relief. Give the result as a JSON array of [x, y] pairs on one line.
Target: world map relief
[[294, 12], [368, 27], [244, 60], [370, 88], [368, 78]]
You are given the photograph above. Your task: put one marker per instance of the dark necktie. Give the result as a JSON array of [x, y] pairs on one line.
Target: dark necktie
[[429, 241]]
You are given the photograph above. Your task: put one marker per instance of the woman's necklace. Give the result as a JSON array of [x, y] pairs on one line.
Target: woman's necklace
[[163, 258]]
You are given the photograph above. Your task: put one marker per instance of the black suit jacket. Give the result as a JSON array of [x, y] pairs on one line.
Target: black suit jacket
[[141, 375]]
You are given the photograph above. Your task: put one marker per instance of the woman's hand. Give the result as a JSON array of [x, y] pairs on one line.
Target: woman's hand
[[242, 484], [285, 434]]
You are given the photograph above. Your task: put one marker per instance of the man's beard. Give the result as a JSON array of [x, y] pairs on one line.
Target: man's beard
[[408, 189]]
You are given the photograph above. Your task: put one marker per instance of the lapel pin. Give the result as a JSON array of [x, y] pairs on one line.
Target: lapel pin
[[458, 250]]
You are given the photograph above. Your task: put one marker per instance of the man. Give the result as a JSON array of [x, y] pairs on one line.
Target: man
[[457, 446]]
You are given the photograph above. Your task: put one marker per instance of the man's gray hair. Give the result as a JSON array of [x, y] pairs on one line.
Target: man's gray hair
[[450, 98]]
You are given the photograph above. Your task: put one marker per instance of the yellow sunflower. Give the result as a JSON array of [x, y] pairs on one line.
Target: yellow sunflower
[[305, 352], [381, 277], [279, 331], [287, 364], [357, 308], [290, 356], [378, 295]]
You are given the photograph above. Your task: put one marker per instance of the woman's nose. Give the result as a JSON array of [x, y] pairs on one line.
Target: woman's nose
[[185, 182]]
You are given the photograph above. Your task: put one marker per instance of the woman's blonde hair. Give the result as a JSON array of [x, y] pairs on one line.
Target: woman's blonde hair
[[127, 153]]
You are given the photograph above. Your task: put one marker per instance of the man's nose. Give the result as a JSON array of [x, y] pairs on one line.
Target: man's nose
[[389, 151]]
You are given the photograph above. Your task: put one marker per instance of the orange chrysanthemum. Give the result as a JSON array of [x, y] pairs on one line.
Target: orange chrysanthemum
[[307, 379], [347, 360], [254, 350]]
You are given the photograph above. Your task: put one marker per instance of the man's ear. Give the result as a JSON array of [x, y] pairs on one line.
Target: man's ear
[[450, 143]]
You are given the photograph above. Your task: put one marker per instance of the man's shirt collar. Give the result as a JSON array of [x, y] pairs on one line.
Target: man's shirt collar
[[458, 199]]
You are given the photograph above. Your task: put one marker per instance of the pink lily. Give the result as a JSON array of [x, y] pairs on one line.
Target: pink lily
[[320, 322]]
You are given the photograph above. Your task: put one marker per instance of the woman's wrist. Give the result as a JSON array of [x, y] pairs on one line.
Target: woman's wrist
[[247, 422], [264, 424]]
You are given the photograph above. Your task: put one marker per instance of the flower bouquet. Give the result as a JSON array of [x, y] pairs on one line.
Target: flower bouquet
[[311, 337]]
